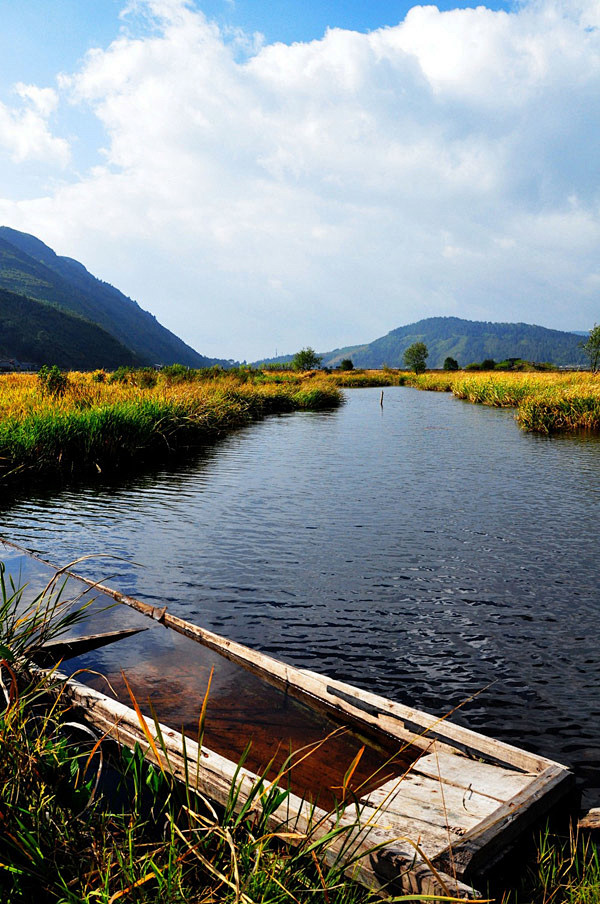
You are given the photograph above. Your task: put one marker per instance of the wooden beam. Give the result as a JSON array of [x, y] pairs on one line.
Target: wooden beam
[[53, 651]]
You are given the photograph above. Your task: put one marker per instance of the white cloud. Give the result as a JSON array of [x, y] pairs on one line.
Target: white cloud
[[24, 132], [326, 192]]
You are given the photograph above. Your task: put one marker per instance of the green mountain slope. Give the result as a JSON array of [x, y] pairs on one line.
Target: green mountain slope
[[29, 267], [39, 333], [466, 341]]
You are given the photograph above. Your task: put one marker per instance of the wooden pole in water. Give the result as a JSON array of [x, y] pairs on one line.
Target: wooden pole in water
[[381, 399]]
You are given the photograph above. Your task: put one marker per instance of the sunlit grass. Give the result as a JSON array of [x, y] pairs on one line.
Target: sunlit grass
[[545, 402], [566, 871], [98, 424]]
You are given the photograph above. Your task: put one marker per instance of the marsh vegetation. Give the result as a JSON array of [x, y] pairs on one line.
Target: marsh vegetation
[[546, 402], [76, 423]]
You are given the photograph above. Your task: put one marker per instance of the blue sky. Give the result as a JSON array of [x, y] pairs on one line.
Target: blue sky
[[255, 195], [42, 37]]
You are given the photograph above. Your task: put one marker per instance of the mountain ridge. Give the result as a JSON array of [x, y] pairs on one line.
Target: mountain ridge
[[464, 340], [31, 268]]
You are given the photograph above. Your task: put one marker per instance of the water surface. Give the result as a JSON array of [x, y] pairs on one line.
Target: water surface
[[429, 551]]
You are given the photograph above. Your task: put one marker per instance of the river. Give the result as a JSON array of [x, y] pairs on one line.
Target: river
[[428, 550]]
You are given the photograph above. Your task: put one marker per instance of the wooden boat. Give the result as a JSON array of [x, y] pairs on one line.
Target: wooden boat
[[433, 826]]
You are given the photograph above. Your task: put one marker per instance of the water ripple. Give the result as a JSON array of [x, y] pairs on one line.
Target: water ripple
[[429, 552]]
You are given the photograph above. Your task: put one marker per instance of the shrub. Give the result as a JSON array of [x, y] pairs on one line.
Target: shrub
[[306, 359], [52, 380], [146, 378], [120, 375], [178, 372], [346, 364], [450, 364]]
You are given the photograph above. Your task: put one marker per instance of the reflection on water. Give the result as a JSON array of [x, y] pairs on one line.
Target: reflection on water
[[426, 552]]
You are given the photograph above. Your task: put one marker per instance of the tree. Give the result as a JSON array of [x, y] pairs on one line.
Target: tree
[[450, 364], [415, 357], [346, 364], [306, 359], [592, 348]]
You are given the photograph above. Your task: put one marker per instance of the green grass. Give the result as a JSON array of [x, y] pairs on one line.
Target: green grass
[[97, 425], [566, 871]]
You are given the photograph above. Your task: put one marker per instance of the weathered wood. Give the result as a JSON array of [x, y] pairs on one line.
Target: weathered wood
[[350, 704], [438, 803], [485, 842], [439, 800], [482, 779], [591, 820], [380, 860], [53, 651]]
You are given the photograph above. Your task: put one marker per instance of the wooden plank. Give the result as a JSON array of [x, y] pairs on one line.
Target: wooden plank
[[443, 805], [410, 825], [484, 843], [429, 810], [384, 862], [53, 651], [482, 779]]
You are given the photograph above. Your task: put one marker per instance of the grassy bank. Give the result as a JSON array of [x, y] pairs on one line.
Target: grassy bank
[[545, 402], [95, 422], [98, 423]]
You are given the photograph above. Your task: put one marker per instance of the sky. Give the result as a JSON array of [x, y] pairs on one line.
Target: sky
[[267, 176]]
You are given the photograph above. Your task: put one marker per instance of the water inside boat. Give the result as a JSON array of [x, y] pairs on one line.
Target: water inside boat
[[171, 675]]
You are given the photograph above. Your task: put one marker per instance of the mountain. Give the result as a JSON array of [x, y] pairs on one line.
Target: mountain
[[466, 341], [29, 267], [37, 332]]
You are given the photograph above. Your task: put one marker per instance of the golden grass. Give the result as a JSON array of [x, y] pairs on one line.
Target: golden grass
[[98, 424], [545, 402]]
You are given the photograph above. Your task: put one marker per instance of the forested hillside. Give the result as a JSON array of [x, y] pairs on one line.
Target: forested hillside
[[38, 333], [466, 341], [29, 267]]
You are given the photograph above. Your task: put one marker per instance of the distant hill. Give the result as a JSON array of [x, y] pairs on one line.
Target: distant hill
[[36, 332], [466, 341], [29, 267]]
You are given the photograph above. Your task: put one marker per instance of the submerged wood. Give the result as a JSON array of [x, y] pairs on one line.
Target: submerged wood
[[53, 651], [376, 855]]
